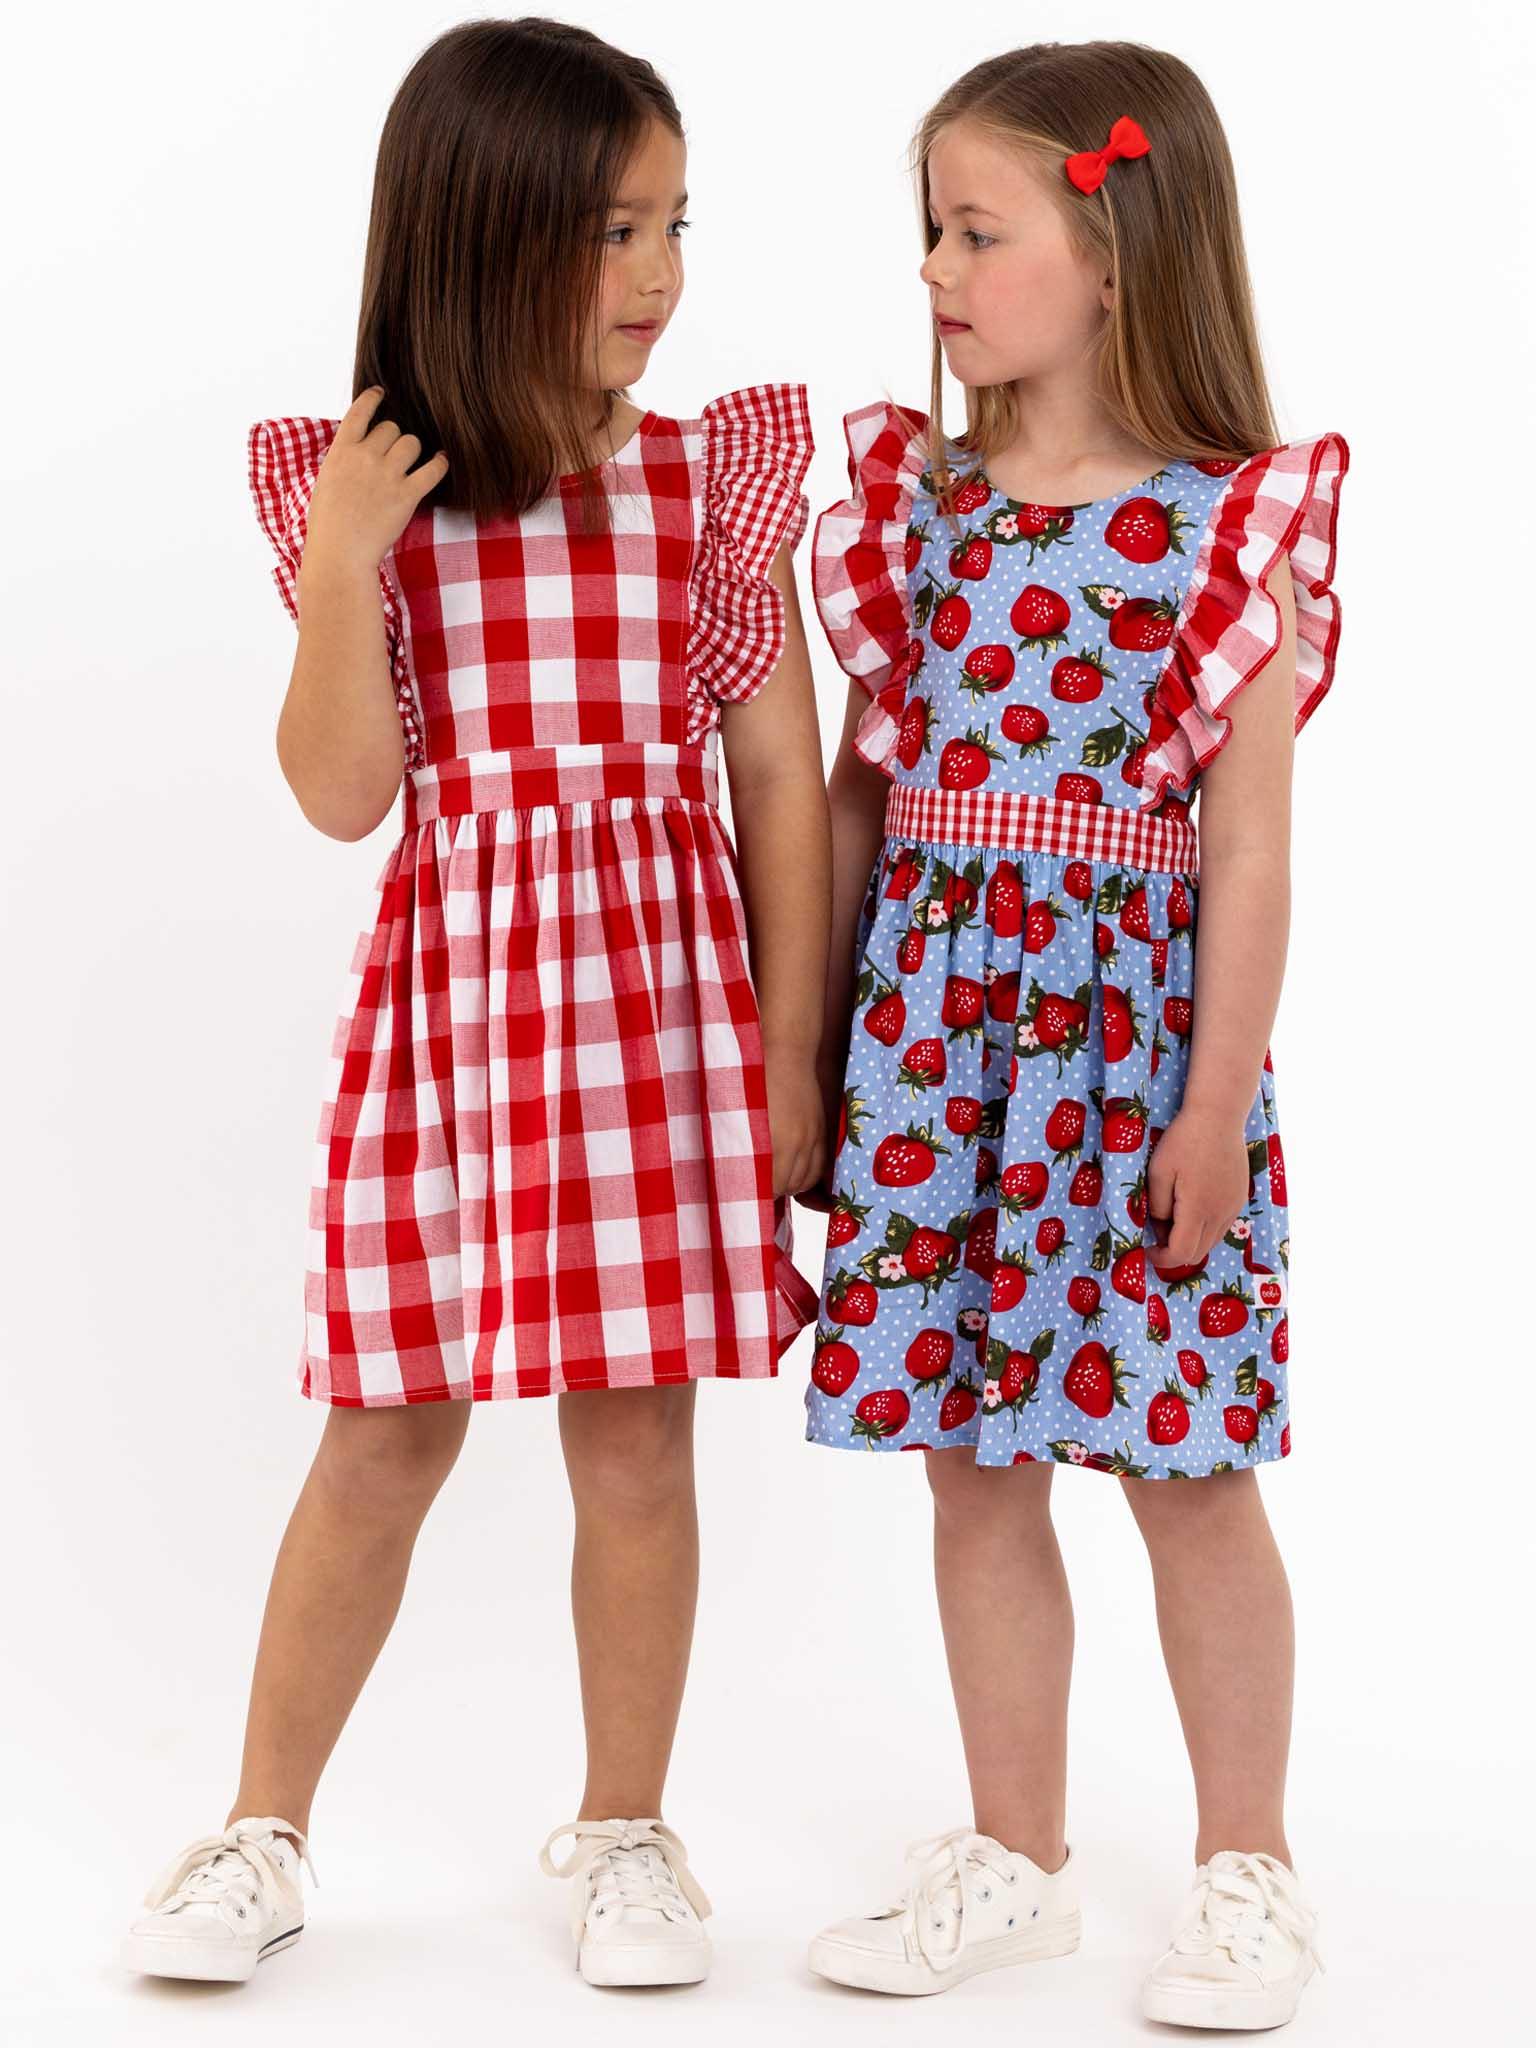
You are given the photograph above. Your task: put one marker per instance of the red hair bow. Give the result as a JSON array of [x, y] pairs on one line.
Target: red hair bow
[[1087, 168]]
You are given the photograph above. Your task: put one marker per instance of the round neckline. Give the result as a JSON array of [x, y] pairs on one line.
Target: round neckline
[[574, 476], [1143, 483]]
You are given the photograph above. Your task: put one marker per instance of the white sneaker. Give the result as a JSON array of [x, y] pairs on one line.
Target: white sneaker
[[1242, 1951], [971, 1905], [227, 1903], [636, 1907]]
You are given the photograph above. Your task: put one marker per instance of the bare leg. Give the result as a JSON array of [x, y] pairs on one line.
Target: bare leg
[[1224, 1613], [336, 1588], [1008, 1631], [634, 1584]]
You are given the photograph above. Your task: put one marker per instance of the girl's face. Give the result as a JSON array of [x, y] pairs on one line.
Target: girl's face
[[643, 261], [1012, 295]]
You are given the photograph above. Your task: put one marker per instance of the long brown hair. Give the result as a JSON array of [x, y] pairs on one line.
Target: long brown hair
[[1179, 365], [499, 160]]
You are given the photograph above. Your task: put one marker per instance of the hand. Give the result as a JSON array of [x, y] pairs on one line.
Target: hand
[[365, 489], [1197, 1183], [796, 1120]]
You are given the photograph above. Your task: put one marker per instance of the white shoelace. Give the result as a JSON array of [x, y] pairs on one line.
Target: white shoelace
[[638, 1863], [1238, 1898], [939, 1864], [217, 1868]]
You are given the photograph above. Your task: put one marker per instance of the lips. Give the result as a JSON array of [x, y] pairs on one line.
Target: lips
[[645, 327], [948, 326]]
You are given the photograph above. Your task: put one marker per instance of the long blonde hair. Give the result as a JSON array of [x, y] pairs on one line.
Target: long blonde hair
[[1179, 365]]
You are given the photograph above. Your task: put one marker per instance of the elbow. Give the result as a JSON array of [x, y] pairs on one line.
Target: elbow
[[347, 811]]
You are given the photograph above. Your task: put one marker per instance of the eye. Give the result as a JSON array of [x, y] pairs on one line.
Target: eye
[[679, 225], [624, 232], [978, 240]]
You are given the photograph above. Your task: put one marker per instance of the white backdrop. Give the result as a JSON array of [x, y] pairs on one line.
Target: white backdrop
[[188, 195]]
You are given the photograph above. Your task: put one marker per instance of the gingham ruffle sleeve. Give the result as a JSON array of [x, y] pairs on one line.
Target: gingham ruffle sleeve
[[284, 457], [757, 449], [859, 571], [1282, 502]]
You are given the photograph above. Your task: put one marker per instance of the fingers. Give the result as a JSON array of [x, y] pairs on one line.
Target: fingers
[[358, 415], [429, 476]]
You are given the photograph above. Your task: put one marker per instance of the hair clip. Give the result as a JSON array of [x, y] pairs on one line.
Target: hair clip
[[1087, 168]]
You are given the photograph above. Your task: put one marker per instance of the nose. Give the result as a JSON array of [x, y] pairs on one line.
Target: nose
[[935, 271]]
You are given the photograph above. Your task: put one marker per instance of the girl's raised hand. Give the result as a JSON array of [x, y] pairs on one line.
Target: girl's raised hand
[[366, 488]]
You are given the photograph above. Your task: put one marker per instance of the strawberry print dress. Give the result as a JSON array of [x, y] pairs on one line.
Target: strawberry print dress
[[1046, 683], [543, 1162]]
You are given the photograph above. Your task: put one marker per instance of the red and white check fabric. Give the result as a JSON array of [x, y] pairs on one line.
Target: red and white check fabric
[[1282, 502], [544, 1160], [858, 567], [1007, 821]]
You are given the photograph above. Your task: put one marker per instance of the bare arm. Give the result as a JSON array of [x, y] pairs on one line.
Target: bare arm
[[339, 741], [1199, 1170], [779, 807]]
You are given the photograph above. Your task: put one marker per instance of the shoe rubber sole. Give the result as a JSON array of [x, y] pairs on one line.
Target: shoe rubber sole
[[153, 1956], [1226, 2011], [865, 1971], [617, 1968]]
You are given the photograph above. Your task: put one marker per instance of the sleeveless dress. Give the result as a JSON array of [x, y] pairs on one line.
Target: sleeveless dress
[[543, 1162], [1045, 690]]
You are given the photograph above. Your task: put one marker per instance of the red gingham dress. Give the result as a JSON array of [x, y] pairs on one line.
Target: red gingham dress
[[544, 1160]]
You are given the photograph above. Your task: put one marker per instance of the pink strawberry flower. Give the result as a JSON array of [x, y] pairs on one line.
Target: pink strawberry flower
[[1110, 598], [993, 1397], [936, 913], [1077, 1454], [890, 1267], [1006, 527], [1241, 1227], [1024, 1034], [972, 1321]]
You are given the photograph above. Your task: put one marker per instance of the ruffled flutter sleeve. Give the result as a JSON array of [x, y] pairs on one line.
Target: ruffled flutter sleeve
[[757, 449], [859, 571], [1281, 502], [284, 457]]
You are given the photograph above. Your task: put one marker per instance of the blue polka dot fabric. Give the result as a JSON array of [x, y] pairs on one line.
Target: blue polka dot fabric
[[1021, 1029]]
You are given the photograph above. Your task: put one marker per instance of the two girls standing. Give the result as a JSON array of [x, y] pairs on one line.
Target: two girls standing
[[567, 1114]]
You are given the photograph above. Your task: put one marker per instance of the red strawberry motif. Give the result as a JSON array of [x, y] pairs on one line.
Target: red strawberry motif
[[1159, 962], [1194, 1372], [1077, 880], [981, 1243], [1087, 1188], [966, 764], [1179, 1015], [929, 1355], [986, 1166], [1221, 1315], [958, 1405], [887, 1019], [963, 1006], [884, 1413], [1285, 1441], [988, 668], [1073, 788], [971, 558], [1005, 900], [1168, 1415], [1179, 912], [850, 1300], [926, 1254], [962, 1115], [1025, 1186], [1276, 1171], [852, 1115], [1064, 1129], [906, 1161], [1143, 625], [1003, 998], [1122, 1024], [1144, 529], [1051, 1238], [1213, 466], [1128, 1273], [845, 1219], [1085, 1298], [1135, 921], [1027, 726], [1094, 1381], [1040, 617], [951, 622], [1241, 1424], [1158, 1326], [971, 495], [1280, 1341], [912, 740], [1019, 1378], [923, 1064], [834, 1366], [910, 950], [1078, 678], [1010, 1277], [916, 535]]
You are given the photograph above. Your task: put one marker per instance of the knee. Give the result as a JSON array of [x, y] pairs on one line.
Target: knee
[[967, 1494], [379, 1460], [629, 1449], [1168, 1512]]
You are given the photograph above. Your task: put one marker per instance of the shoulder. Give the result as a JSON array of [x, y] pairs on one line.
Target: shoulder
[[1283, 500], [283, 456]]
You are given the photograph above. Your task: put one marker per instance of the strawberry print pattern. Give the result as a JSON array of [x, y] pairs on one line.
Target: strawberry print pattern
[[1023, 1016]]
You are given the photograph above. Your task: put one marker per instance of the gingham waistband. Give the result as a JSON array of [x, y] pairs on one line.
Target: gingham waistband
[[1048, 824], [537, 778]]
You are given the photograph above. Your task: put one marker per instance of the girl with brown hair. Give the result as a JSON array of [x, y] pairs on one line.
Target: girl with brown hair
[[567, 1106], [1058, 1229]]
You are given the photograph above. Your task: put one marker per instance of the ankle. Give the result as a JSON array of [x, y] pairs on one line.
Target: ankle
[[1045, 1846], [296, 1817], [1246, 1841]]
